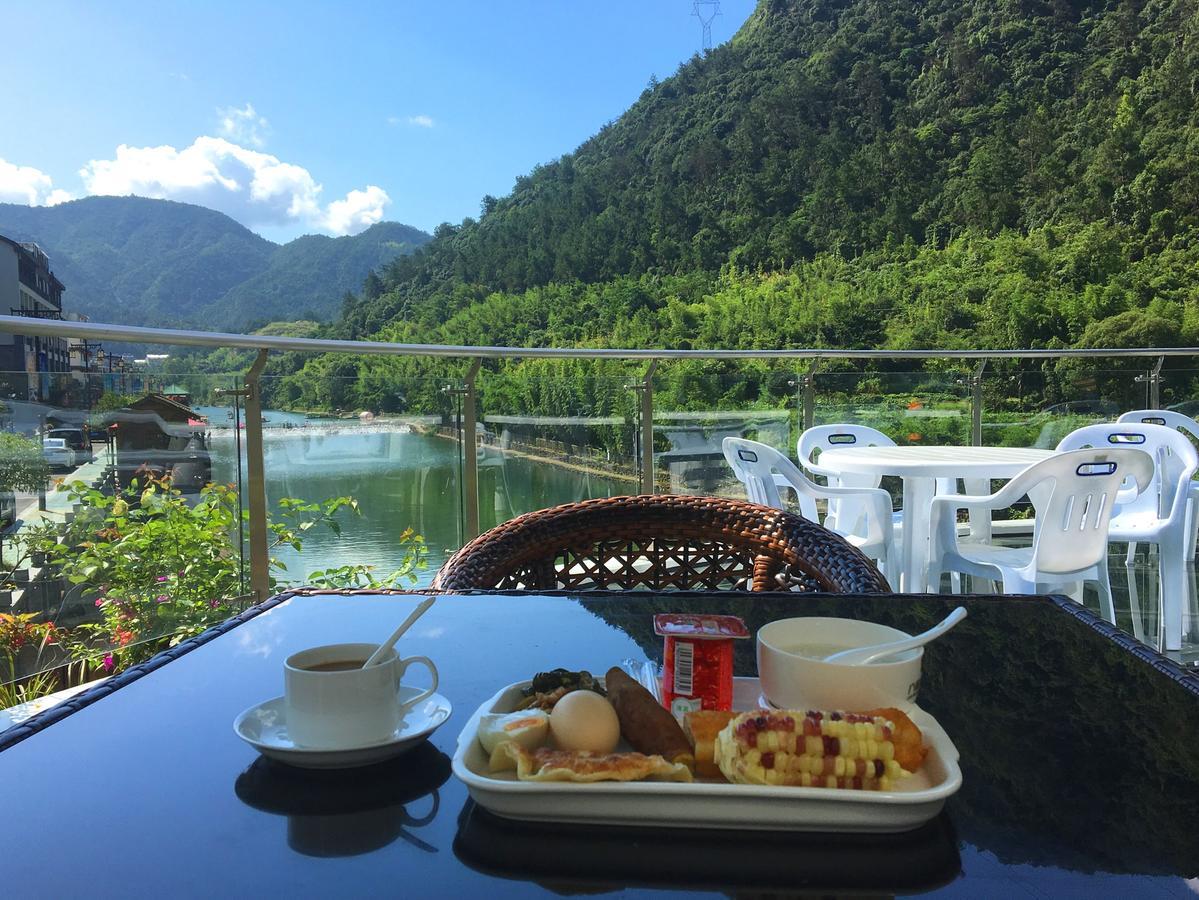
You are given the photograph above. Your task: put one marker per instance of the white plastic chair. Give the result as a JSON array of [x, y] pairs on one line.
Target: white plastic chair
[[1073, 494], [837, 437], [845, 516], [1155, 516], [764, 470], [848, 515], [1178, 421]]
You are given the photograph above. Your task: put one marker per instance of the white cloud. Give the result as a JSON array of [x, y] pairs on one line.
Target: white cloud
[[25, 184], [247, 184], [253, 187], [421, 121], [358, 211], [243, 126]]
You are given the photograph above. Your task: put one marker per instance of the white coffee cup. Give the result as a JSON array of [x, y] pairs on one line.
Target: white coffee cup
[[339, 709]]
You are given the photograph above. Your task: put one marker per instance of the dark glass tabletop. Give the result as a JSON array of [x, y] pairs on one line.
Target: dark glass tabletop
[[1080, 761]]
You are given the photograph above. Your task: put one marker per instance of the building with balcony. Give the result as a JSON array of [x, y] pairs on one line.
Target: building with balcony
[[29, 288]]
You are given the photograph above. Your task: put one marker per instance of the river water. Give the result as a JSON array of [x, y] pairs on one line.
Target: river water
[[401, 479]]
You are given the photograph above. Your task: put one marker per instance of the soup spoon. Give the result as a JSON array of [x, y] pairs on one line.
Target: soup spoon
[[860, 656], [395, 635]]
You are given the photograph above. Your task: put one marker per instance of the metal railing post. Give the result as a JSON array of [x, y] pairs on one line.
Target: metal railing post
[[976, 404], [809, 395], [1155, 384], [647, 428], [470, 453], [260, 569]]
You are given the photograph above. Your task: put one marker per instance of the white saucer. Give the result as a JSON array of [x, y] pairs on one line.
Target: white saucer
[[264, 727]]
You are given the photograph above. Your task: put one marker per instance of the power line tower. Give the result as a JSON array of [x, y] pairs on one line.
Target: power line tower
[[706, 11]]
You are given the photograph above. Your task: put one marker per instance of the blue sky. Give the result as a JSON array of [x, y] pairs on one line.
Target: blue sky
[[322, 117]]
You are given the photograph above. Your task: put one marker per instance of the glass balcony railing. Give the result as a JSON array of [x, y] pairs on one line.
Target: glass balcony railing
[[695, 410], [552, 439], [400, 464], [912, 407], [132, 515], [120, 510]]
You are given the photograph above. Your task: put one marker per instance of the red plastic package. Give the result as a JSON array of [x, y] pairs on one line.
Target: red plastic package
[[698, 660]]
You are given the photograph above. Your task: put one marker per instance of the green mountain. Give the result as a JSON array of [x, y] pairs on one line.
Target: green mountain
[[313, 273], [867, 156], [156, 262]]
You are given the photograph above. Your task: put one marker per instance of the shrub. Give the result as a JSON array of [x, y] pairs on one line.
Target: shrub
[[162, 569], [22, 466]]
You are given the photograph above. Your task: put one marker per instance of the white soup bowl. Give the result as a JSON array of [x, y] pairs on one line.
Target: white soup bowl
[[792, 681]]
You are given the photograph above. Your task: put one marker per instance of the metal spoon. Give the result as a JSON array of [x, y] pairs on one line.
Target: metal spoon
[[860, 656], [378, 655]]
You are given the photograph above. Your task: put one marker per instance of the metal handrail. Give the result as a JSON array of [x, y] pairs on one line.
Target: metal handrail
[[262, 344], [180, 337]]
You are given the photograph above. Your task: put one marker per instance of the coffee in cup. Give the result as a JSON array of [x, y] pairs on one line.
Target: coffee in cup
[[333, 703]]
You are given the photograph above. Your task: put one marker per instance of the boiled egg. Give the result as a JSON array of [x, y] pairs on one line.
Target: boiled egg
[[583, 720], [527, 727]]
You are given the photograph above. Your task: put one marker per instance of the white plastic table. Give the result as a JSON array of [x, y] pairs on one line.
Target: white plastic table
[[920, 467]]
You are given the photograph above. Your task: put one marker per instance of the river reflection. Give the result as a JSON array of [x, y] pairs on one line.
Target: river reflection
[[402, 479]]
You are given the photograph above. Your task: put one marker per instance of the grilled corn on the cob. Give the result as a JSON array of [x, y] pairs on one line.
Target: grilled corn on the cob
[[813, 749]]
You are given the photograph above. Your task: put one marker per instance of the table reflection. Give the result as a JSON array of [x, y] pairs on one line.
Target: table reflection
[[347, 812], [1039, 709], [588, 859]]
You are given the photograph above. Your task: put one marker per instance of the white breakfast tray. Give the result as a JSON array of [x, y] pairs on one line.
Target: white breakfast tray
[[707, 804]]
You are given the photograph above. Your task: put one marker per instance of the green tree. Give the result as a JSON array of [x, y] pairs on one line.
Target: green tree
[[22, 466]]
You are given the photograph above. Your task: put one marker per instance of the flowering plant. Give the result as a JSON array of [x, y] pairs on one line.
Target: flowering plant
[[22, 631], [162, 569]]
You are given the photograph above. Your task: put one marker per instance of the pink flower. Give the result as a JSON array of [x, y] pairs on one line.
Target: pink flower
[[108, 663], [99, 601], [162, 598], [214, 603], [162, 578]]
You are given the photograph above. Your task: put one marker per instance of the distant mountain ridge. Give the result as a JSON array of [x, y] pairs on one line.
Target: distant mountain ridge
[[137, 261]]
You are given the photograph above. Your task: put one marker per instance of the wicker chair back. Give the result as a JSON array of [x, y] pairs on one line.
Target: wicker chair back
[[660, 542]]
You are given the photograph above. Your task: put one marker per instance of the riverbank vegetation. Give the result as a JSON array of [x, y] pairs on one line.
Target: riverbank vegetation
[[159, 569]]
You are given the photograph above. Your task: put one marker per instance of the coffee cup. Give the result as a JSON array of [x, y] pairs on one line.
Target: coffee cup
[[332, 703]]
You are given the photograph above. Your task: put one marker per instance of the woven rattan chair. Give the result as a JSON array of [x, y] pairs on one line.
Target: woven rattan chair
[[660, 542]]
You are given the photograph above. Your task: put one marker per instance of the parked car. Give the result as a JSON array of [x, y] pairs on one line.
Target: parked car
[[8, 509], [57, 453], [77, 439]]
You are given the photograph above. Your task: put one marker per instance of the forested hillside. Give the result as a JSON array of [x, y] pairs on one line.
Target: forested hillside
[[1002, 173], [138, 261], [312, 275]]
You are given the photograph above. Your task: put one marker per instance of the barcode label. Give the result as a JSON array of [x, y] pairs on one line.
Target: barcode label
[[684, 664]]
